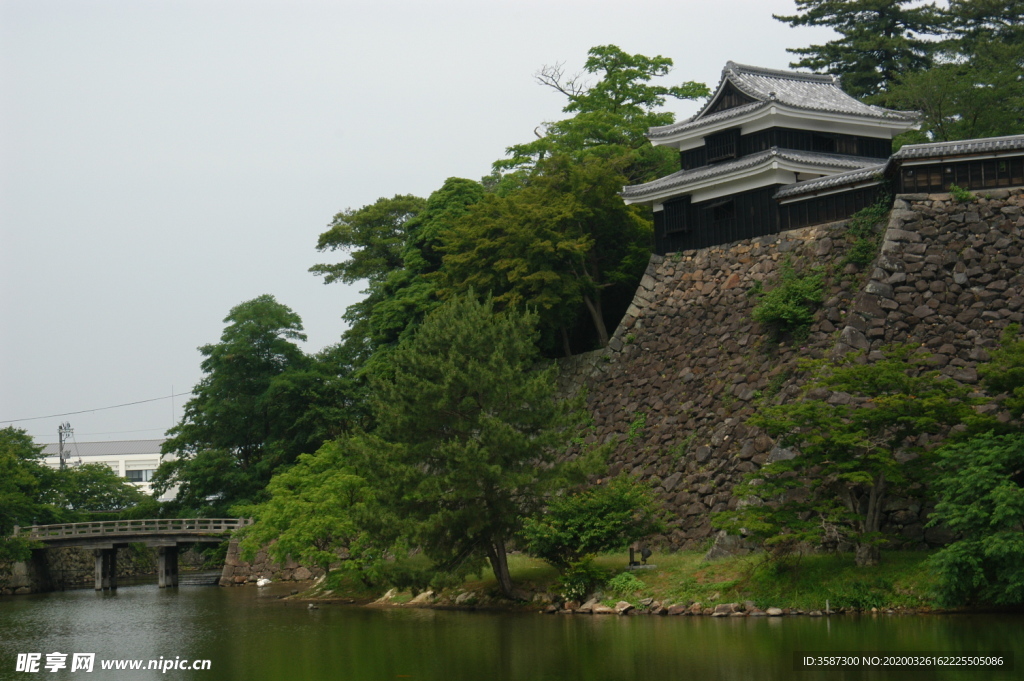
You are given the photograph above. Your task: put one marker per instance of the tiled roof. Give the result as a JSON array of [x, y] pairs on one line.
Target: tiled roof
[[685, 177], [960, 148], [810, 91], [831, 181], [115, 448]]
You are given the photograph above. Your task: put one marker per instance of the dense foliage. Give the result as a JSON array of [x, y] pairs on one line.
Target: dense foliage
[[959, 66], [546, 231], [789, 306], [261, 403], [980, 488], [592, 521], [474, 434], [466, 446], [610, 116], [980, 492], [32, 493], [878, 41], [853, 452]]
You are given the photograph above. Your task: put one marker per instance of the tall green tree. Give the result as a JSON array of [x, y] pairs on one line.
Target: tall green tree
[[411, 291], [27, 493], [96, 487], [610, 116], [851, 453], [374, 236], [975, 88], [393, 246], [977, 22], [470, 435], [562, 245], [880, 40], [244, 420]]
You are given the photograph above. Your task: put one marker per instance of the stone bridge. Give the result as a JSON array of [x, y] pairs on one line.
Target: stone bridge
[[104, 538]]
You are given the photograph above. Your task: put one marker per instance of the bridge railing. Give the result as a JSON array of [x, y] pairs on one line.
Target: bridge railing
[[135, 527]]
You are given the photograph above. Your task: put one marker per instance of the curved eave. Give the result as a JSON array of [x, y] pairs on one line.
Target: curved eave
[[831, 184], [768, 114], [768, 164]]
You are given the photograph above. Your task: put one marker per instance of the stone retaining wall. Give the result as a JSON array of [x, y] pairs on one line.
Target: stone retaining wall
[[66, 568], [237, 571], [687, 366]]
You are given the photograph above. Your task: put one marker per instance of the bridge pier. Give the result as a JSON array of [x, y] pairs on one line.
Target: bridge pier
[[167, 571], [106, 568]]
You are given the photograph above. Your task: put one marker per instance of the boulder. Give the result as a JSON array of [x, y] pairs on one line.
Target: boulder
[[386, 598], [423, 598]]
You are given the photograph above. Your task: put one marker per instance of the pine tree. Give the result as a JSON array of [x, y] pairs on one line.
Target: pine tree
[[880, 39], [469, 435]]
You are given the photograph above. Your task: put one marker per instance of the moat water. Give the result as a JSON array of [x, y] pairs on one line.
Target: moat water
[[248, 634]]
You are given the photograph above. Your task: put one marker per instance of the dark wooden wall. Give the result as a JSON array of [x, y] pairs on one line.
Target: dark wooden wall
[[720, 146], [683, 225], [982, 174]]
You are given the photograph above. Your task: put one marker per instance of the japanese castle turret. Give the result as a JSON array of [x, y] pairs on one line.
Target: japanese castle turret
[[761, 131]]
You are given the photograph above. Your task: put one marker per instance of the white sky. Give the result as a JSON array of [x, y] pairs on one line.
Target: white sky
[[161, 162]]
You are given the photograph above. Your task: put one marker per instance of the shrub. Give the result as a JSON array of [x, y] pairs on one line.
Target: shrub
[[596, 520], [625, 584], [790, 305], [862, 228], [581, 578], [961, 195]]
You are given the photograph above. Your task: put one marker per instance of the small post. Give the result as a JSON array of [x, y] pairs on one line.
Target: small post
[[174, 565], [161, 570], [98, 571], [168, 566], [112, 569]]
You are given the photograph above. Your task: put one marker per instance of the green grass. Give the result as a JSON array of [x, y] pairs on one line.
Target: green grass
[[901, 581]]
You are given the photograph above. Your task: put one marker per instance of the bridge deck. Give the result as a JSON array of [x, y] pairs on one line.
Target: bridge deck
[[157, 530]]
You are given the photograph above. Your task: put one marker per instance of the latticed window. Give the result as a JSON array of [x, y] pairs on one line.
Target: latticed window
[[723, 145]]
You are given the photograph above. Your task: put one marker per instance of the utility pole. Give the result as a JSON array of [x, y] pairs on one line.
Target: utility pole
[[64, 431]]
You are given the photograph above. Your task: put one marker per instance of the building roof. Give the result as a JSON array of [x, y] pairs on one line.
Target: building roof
[[819, 184], [960, 148], [685, 177], [114, 448], [807, 91]]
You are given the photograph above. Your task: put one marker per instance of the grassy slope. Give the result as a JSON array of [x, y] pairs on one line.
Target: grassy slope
[[901, 581]]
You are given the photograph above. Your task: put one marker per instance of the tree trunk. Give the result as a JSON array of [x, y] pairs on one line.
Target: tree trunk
[[597, 315], [868, 553], [499, 563], [565, 341]]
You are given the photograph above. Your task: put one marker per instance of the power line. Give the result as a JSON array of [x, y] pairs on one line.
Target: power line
[[87, 411]]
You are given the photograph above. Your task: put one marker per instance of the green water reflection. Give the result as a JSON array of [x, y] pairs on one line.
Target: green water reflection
[[250, 635]]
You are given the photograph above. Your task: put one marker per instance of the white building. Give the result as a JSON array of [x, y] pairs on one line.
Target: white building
[[135, 460]]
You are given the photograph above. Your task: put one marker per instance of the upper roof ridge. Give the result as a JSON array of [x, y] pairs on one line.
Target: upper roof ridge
[[779, 73]]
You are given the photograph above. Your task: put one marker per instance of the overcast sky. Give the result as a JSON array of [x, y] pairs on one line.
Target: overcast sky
[[161, 162]]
